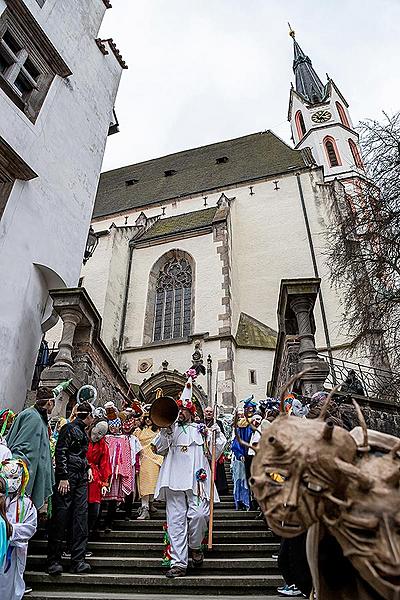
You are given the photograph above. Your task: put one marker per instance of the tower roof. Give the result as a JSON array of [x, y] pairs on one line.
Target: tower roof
[[308, 84]]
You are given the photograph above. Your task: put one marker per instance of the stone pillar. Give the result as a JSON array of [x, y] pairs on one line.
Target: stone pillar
[[313, 381], [71, 319], [63, 369]]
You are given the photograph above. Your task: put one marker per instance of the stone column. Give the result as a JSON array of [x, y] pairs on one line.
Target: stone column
[[63, 369], [71, 319], [313, 381]]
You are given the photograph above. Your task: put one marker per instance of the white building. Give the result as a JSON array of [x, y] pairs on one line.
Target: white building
[[58, 84], [193, 246]]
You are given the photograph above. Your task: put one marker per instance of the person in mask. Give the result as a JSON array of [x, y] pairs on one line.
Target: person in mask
[[70, 493], [18, 520], [98, 457], [129, 424], [185, 482]]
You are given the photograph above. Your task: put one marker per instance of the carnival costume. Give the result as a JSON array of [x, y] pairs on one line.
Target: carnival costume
[[98, 457], [28, 439], [150, 464], [240, 461], [184, 482], [22, 516], [129, 418], [122, 470]]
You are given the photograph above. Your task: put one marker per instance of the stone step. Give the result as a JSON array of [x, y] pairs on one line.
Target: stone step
[[264, 548], [134, 566], [219, 524], [54, 595], [219, 514], [212, 585], [236, 536]]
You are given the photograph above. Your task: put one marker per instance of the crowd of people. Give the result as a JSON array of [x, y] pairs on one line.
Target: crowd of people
[[62, 472]]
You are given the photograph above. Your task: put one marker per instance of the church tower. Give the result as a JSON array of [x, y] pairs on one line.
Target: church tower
[[320, 119]]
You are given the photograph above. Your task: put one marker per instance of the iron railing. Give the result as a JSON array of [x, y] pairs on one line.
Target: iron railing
[[375, 382]]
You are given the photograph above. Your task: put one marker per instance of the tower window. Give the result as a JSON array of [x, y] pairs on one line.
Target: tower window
[[252, 377], [300, 126], [342, 115], [129, 182], [169, 172], [356, 155], [221, 160], [332, 151]]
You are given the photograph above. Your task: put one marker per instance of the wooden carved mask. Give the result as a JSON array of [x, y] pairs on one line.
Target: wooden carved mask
[[294, 470]]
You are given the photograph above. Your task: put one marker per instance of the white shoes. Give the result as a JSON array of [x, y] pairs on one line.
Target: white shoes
[[144, 514]]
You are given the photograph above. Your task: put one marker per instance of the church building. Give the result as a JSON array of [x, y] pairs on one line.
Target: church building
[[193, 246]]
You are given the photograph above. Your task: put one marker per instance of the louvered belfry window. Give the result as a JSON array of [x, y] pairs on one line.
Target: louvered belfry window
[[173, 300]]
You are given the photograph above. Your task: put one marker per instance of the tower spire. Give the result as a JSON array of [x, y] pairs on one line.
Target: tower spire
[[308, 84]]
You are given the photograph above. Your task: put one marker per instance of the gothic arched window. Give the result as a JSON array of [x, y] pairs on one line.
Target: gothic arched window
[[173, 300], [332, 151], [356, 155], [300, 126], [342, 115]]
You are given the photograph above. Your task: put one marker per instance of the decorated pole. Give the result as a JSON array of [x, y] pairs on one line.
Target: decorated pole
[[213, 469]]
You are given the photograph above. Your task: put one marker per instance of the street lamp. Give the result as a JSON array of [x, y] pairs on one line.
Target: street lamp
[[91, 245]]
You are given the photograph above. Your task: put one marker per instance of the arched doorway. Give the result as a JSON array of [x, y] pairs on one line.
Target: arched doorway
[[172, 384]]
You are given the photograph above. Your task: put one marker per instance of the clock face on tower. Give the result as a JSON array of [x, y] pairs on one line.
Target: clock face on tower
[[321, 116]]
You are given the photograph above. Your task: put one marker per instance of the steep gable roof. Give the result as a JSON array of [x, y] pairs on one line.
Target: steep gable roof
[[194, 171]]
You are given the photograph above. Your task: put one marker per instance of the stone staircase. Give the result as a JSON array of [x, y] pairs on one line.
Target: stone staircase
[[126, 563]]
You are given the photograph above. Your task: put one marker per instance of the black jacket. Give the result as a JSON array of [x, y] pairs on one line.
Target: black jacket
[[71, 449]]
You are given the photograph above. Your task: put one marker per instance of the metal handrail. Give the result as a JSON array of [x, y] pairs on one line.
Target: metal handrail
[[376, 382]]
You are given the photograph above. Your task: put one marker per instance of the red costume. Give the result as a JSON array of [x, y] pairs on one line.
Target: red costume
[[98, 457]]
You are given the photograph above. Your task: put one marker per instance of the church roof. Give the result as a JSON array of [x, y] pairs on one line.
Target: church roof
[[252, 333], [308, 84], [194, 171], [196, 220]]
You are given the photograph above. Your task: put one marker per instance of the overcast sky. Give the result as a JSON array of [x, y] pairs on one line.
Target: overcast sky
[[203, 71]]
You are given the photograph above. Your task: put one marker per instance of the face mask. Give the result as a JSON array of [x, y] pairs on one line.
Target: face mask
[[12, 473], [99, 431]]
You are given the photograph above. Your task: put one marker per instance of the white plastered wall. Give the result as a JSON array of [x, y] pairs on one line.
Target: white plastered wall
[[46, 219]]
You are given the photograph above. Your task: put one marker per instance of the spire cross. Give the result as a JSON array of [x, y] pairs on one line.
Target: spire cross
[[292, 32]]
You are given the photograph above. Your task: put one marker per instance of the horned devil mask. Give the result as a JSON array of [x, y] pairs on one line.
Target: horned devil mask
[[302, 452]]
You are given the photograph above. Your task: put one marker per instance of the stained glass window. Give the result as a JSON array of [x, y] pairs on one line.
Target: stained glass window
[[173, 308]]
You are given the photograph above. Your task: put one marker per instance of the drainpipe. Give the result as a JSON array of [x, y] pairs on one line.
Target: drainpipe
[[125, 304], [316, 274]]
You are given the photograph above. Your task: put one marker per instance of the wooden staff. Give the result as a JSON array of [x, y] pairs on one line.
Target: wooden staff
[[213, 468]]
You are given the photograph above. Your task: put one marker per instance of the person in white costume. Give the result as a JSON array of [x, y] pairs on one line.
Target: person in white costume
[[22, 516], [184, 482]]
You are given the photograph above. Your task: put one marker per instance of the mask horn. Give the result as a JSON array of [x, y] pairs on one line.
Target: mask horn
[[327, 432], [365, 447], [325, 407], [288, 384]]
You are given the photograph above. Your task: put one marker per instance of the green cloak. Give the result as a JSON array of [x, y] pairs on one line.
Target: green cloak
[[29, 439]]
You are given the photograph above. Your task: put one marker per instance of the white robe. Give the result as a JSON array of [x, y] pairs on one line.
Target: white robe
[[185, 451], [12, 585]]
